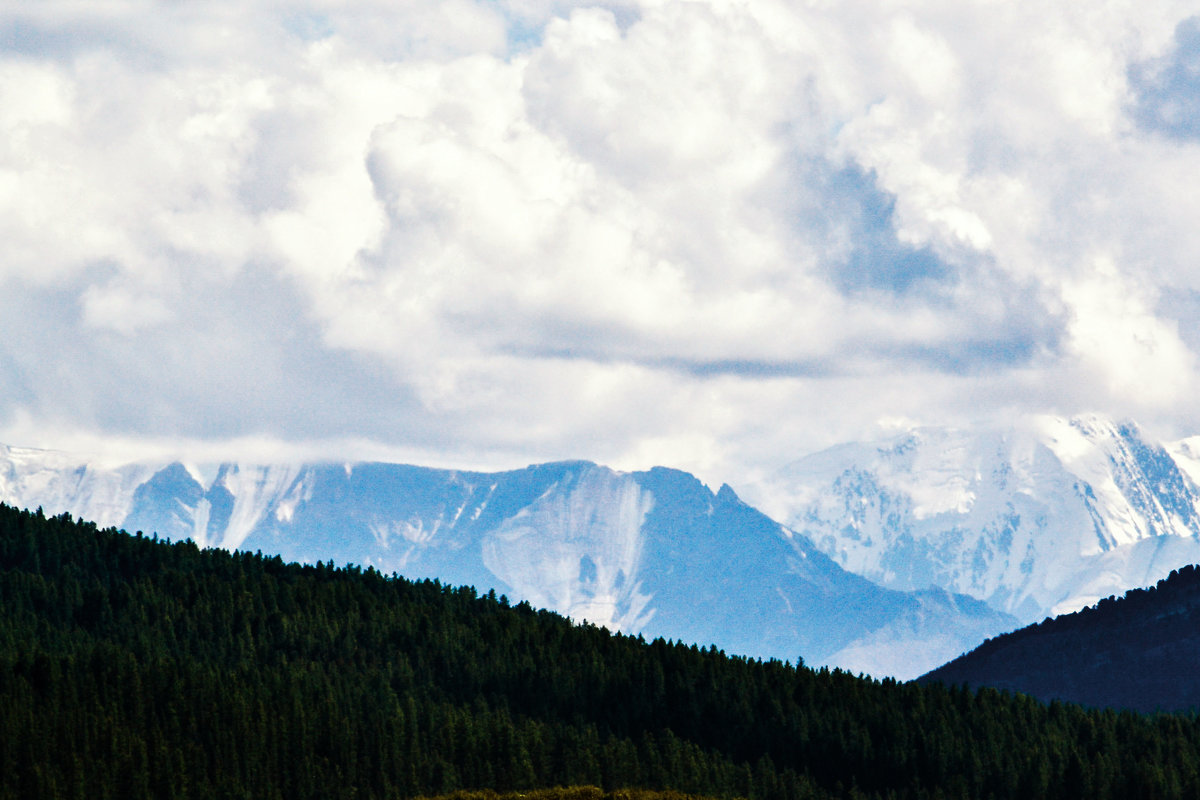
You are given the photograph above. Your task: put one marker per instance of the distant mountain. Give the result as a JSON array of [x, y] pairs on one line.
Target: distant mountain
[[652, 552], [1042, 518], [1139, 652]]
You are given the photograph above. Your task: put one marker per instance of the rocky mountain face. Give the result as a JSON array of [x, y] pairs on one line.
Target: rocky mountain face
[[655, 552], [1137, 652], [1039, 519]]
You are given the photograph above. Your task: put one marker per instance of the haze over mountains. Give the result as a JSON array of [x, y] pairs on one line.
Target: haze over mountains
[[896, 557]]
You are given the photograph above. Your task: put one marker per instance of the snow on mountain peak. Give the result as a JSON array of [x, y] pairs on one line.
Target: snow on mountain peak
[[59, 481], [1186, 453], [1046, 515], [578, 550]]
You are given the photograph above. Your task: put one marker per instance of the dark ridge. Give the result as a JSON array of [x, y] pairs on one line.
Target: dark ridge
[[1139, 652]]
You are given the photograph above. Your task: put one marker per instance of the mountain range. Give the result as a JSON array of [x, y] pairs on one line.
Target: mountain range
[[893, 556], [1040, 518], [655, 553]]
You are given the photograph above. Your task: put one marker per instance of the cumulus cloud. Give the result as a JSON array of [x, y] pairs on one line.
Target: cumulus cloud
[[707, 234]]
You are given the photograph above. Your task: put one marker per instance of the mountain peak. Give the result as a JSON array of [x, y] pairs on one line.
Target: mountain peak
[[726, 494], [1041, 517]]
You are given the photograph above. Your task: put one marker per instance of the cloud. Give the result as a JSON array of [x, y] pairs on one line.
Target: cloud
[[705, 234], [1116, 334]]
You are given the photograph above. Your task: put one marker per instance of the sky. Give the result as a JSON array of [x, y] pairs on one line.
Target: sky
[[713, 235]]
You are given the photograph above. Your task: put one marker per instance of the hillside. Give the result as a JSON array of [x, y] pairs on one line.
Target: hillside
[[1139, 652], [131, 667]]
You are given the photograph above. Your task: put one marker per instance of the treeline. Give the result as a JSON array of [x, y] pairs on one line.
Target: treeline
[[569, 793], [130, 667]]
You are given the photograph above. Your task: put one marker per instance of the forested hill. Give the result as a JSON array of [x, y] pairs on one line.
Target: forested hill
[[1140, 652], [130, 667]]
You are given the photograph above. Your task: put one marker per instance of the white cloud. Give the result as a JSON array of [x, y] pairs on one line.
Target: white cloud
[[709, 234], [1117, 337], [121, 308]]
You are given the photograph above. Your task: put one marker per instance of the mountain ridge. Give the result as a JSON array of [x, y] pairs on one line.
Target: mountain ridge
[[1039, 518], [1136, 652], [653, 552]]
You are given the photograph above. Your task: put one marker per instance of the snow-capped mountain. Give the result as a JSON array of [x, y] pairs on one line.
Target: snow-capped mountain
[[1039, 519], [653, 552]]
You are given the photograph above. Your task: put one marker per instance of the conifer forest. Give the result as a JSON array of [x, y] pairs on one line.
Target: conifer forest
[[135, 667]]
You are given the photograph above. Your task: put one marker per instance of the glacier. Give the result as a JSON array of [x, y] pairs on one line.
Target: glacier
[[1039, 518]]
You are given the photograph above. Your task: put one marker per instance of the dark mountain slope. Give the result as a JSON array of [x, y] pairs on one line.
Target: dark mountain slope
[[1140, 652]]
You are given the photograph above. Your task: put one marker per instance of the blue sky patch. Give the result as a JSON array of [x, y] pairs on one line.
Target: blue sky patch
[[879, 261], [1168, 88]]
